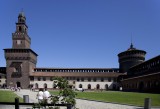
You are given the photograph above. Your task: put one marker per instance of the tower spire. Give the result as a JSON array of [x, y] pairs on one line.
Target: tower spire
[[131, 46]]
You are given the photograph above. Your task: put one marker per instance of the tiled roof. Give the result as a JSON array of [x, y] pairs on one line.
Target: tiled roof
[[76, 74]]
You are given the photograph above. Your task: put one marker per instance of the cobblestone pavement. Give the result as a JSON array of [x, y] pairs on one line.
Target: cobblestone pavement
[[81, 104]]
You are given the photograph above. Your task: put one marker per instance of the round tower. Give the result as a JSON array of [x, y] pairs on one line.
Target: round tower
[[130, 57]]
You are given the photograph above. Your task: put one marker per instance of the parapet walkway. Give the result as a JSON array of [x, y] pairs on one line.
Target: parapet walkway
[[80, 104]]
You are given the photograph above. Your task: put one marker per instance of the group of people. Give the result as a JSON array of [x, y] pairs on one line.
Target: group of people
[[43, 95], [15, 88]]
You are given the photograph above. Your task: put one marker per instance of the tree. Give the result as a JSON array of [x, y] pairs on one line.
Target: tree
[[66, 95]]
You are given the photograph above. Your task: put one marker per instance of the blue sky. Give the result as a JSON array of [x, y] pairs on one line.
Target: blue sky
[[83, 33]]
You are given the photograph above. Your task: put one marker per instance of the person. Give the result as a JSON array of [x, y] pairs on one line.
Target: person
[[40, 95], [46, 95], [33, 88]]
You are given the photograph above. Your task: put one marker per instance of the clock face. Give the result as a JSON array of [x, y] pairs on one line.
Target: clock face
[[18, 42]]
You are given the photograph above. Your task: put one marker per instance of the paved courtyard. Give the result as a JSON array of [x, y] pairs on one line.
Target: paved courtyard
[[81, 104]]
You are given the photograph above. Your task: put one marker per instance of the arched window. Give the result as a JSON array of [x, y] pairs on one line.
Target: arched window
[[106, 86], [141, 86], [20, 28], [148, 84], [36, 85], [54, 85], [114, 87], [18, 84], [80, 86], [45, 85], [97, 86], [89, 86]]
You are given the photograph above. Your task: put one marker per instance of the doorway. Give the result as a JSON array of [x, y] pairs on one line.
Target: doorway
[[18, 84]]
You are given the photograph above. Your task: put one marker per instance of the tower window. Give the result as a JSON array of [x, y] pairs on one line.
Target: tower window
[[20, 28]]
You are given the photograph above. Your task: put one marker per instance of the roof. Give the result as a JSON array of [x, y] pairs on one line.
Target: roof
[[75, 74]]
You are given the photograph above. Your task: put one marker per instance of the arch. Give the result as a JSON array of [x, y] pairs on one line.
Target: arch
[[54, 85], [148, 84], [141, 86], [45, 85], [89, 86], [114, 86], [80, 86], [106, 86], [20, 28], [36, 85], [97, 86], [18, 84]]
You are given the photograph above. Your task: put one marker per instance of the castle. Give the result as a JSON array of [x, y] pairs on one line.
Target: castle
[[133, 74]]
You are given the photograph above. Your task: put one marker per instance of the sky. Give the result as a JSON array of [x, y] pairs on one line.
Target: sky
[[83, 33]]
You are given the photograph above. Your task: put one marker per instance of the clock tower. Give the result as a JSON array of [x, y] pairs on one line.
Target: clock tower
[[20, 37], [20, 59]]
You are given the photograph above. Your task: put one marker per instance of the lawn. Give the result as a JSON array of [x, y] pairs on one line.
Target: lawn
[[131, 98], [8, 96]]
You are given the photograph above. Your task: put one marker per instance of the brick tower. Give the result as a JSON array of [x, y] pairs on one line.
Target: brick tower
[[130, 57], [20, 59]]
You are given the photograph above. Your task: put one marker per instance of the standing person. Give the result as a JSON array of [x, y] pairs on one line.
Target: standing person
[[40, 95], [46, 95]]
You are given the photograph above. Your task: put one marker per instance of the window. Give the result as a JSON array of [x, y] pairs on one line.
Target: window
[[89, 86], [54, 85], [80, 86], [44, 78], [102, 79], [77, 79], [94, 79], [31, 78], [106, 86], [45, 85], [20, 28], [82, 79], [39, 78], [97, 86]]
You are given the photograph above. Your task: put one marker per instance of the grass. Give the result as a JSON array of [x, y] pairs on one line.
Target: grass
[[8, 96], [131, 98]]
